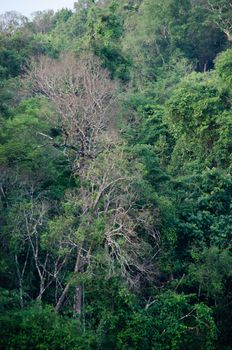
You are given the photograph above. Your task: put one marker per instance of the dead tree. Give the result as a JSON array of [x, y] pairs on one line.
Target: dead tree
[[84, 97]]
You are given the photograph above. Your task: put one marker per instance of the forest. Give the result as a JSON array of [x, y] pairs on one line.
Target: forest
[[116, 176]]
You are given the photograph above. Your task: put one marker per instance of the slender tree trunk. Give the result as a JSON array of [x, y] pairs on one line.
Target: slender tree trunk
[[20, 281], [41, 290], [20, 285], [77, 306], [62, 297], [78, 291]]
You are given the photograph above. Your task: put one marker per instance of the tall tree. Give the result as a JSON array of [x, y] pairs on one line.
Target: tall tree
[[84, 97]]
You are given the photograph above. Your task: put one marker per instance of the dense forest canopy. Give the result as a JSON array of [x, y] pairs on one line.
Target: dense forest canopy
[[116, 176]]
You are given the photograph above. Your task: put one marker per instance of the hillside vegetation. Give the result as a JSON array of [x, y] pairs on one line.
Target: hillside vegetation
[[116, 176]]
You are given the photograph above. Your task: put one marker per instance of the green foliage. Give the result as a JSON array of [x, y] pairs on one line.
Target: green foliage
[[211, 270], [170, 323], [166, 30], [223, 66], [105, 29], [199, 117], [38, 327]]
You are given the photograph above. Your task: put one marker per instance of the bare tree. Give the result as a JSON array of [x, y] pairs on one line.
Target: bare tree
[[84, 97], [12, 20], [42, 21], [28, 233]]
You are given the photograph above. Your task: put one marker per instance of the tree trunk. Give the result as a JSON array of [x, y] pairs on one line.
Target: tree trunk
[[20, 282], [77, 306], [62, 297], [78, 291]]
